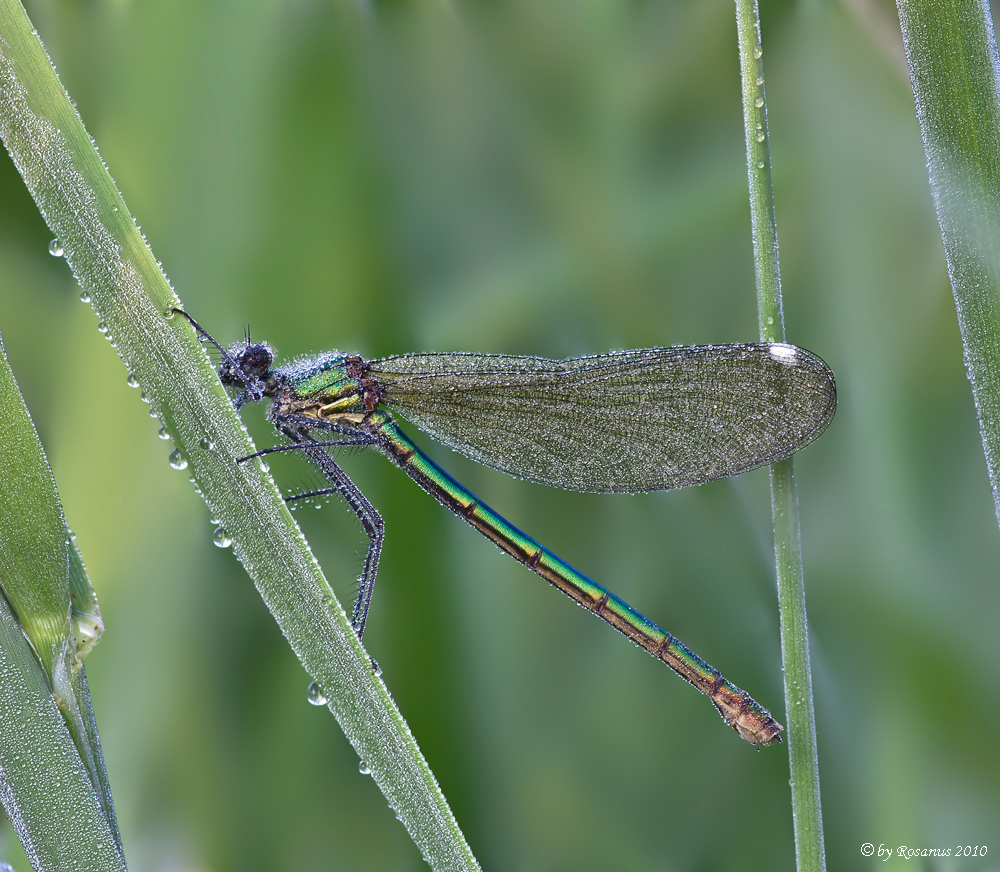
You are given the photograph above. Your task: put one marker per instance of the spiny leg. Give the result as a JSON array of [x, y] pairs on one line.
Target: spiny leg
[[354, 439], [367, 514]]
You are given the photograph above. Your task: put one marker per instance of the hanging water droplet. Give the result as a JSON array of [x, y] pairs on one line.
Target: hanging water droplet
[[758, 102], [376, 669], [55, 248], [221, 538], [162, 433], [102, 328], [206, 444], [364, 768], [760, 81], [178, 460], [760, 136], [132, 382], [757, 51], [84, 296], [315, 694]]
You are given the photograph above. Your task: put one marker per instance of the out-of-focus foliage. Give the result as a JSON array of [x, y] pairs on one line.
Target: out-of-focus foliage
[[530, 177]]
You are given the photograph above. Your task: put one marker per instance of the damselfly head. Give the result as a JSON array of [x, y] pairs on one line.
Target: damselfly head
[[253, 359], [247, 365]]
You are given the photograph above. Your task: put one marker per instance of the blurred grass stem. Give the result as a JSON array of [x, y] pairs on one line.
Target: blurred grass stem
[[951, 53], [801, 736]]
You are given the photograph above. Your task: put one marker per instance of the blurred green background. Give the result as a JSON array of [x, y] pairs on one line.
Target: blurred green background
[[536, 177]]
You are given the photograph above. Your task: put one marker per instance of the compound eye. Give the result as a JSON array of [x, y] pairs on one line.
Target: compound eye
[[229, 375], [255, 360]]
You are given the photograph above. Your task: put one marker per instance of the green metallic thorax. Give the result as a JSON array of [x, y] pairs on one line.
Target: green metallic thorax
[[331, 390], [330, 379]]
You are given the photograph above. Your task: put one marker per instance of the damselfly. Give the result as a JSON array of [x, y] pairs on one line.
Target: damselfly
[[621, 422]]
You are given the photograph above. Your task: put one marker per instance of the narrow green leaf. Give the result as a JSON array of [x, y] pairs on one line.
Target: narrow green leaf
[[34, 541], [951, 52], [52, 778], [45, 788]]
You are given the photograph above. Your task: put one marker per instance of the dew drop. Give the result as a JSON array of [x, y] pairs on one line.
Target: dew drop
[[169, 313], [132, 381], [102, 328], [221, 538], [178, 460], [760, 136], [206, 444], [55, 248], [758, 102], [364, 768], [84, 296], [315, 694], [376, 669], [760, 165], [757, 51], [760, 81]]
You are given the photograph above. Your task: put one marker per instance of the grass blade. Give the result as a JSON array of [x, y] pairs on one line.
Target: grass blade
[[803, 760], [52, 779], [951, 52]]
